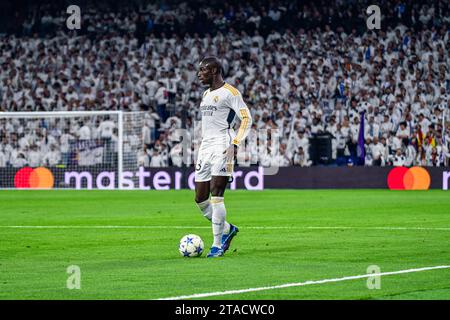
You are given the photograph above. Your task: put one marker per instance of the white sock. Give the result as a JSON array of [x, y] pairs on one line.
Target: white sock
[[206, 209], [226, 228], [218, 220]]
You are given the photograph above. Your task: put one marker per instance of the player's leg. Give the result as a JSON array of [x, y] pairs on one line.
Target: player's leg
[[221, 171], [202, 198], [203, 170], [202, 188], [202, 182], [202, 191], [218, 185]]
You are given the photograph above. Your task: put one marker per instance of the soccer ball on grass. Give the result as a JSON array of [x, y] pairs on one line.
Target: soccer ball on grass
[[191, 245]]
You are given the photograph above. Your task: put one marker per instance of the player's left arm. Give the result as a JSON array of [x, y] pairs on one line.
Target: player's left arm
[[238, 105], [242, 111]]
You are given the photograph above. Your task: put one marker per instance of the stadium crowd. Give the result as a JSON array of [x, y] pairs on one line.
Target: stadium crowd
[[304, 69]]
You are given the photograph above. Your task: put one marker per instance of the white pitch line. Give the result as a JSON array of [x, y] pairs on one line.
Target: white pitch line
[[243, 227], [300, 284]]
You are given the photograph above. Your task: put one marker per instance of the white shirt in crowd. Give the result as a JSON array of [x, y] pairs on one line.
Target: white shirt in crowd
[[106, 129], [143, 159], [52, 158], [18, 162], [65, 142], [377, 150], [3, 159], [176, 155], [411, 155], [84, 133], [399, 160], [280, 159], [157, 160], [372, 130], [34, 158], [302, 159]]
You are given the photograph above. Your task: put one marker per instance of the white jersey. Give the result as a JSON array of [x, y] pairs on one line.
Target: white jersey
[[106, 129], [218, 108]]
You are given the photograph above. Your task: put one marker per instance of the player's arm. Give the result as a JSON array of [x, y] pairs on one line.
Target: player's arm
[[244, 128], [244, 115]]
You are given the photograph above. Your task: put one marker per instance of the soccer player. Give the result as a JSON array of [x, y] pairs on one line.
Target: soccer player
[[220, 103]]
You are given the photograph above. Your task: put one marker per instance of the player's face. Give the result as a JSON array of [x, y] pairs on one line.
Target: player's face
[[204, 74]]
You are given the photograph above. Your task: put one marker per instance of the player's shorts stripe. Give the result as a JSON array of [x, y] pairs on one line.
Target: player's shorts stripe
[[230, 167]]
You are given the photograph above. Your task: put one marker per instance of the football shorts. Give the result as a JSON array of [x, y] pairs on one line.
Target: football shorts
[[212, 161]]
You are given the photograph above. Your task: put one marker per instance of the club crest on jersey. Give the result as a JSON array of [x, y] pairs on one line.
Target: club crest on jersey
[[216, 99]]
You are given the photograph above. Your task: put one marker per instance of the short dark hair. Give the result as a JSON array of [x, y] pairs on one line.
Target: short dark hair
[[214, 62]]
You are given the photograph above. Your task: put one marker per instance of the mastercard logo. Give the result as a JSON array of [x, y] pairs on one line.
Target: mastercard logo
[[415, 178], [38, 178]]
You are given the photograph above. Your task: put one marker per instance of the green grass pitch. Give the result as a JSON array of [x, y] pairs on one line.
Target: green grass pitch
[[393, 230]]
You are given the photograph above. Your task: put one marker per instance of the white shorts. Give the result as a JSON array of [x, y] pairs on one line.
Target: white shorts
[[211, 161]]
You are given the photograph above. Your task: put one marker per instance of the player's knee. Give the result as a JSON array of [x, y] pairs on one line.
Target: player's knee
[[218, 187], [217, 192], [201, 198]]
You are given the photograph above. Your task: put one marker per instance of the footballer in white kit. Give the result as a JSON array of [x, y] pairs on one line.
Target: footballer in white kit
[[221, 102], [219, 108]]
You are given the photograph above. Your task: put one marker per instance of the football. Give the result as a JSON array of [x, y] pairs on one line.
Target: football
[[191, 245]]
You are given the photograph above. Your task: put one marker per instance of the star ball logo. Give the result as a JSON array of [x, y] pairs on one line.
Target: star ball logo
[[38, 178], [415, 178]]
